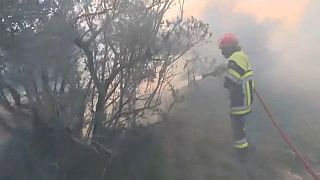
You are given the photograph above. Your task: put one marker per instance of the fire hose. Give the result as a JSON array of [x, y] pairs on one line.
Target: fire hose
[[287, 139]]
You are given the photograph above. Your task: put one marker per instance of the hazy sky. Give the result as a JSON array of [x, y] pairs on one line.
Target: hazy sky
[[288, 12]]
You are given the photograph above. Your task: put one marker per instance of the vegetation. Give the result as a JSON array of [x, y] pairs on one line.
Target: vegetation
[[84, 73]]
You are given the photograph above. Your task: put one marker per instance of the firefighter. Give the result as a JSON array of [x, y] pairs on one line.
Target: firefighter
[[240, 85]]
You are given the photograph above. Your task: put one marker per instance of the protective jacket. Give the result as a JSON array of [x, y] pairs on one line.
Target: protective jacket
[[239, 81]]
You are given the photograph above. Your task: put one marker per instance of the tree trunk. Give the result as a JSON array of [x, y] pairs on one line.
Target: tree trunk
[[100, 114]]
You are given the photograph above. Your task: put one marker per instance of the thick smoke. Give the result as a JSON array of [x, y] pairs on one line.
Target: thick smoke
[[285, 59], [286, 66]]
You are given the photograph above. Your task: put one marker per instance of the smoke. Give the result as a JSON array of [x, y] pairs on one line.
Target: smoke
[[284, 54], [286, 63], [254, 36], [298, 63]]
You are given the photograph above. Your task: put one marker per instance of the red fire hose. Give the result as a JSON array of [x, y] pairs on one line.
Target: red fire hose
[[287, 139]]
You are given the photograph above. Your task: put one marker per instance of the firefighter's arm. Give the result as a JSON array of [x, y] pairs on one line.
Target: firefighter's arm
[[218, 71]]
